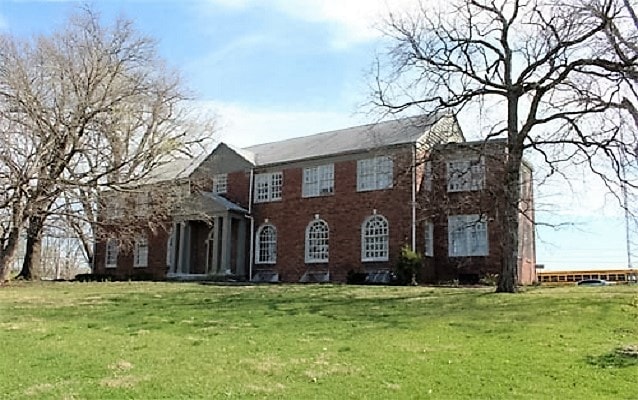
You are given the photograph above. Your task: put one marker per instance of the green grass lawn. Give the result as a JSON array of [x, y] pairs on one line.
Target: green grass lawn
[[187, 340]]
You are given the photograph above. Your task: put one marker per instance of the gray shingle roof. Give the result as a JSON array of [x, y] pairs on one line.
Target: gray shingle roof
[[349, 140], [225, 203], [342, 141]]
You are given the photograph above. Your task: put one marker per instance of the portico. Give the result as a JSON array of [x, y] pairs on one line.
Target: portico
[[210, 241]]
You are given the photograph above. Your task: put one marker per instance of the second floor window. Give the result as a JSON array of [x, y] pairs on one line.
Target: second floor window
[[114, 207], [142, 204], [318, 181], [268, 187], [465, 175], [220, 183], [374, 174]]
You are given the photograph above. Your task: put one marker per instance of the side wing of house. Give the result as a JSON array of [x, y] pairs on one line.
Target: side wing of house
[[198, 233], [462, 199]]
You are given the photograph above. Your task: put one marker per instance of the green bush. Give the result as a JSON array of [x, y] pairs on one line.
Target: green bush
[[408, 266]]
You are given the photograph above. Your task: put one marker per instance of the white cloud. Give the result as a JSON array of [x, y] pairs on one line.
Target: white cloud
[[243, 125], [352, 21]]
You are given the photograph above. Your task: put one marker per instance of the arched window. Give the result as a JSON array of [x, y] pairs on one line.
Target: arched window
[[266, 245], [317, 234], [374, 239]]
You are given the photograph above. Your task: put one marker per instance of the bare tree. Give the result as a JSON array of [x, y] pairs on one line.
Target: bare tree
[[94, 108], [540, 64]]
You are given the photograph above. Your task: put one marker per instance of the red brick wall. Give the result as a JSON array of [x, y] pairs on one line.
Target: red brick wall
[[344, 211], [436, 205], [156, 268], [238, 188]]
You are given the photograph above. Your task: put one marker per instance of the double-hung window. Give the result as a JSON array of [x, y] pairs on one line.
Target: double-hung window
[[140, 253], [268, 187], [220, 183], [318, 181], [114, 207], [465, 175], [467, 235], [142, 204], [112, 248], [374, 174]]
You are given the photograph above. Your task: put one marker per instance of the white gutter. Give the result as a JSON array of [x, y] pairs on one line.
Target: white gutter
[[414, 198], [252, 224]]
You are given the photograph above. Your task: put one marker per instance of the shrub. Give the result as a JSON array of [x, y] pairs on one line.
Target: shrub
[[489, 280], [408, 266], [92, 277]]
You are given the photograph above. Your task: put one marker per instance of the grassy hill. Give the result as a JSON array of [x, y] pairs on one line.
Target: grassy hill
[[189, 341]]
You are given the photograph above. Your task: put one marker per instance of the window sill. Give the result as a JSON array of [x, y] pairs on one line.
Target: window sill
[[317, 195], [316, 261], [266, 201], [372, 189], [375, 259]]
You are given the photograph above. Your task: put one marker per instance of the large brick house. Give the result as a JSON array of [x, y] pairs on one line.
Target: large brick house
[[316, 208]]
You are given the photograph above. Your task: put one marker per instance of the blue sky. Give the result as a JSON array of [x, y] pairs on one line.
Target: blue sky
[[272, 69]]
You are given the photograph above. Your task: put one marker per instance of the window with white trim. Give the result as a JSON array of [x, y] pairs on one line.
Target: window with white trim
[[428, 236], [142, 204], [112, 248], [317, 233], [114, 207], [374, 173], [140, 253], [220, 183], [375, 239], [467, 235], [465, 175], [268, 187], [318, 181], [266, 245]]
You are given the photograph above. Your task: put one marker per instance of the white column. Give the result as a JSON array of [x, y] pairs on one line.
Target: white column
[[226, 243], [180, 247], [241, 247], [215, 244]]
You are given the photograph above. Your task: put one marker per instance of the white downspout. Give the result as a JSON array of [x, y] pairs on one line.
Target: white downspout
[[252, 224], [414, 197]]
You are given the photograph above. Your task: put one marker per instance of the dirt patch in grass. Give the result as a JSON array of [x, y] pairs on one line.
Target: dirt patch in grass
[[39, 389], [124, 381], [121, 365]]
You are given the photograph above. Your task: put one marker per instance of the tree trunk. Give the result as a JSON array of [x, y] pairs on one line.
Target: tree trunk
[[508, 279], [32, 256], [7, 254]]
